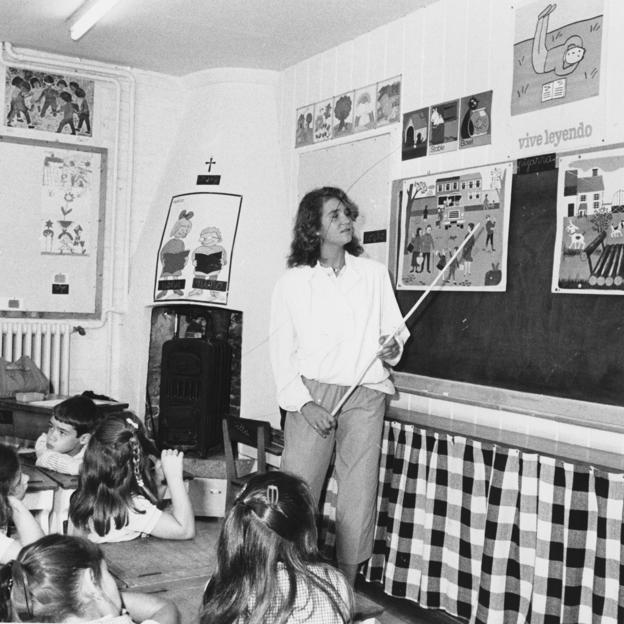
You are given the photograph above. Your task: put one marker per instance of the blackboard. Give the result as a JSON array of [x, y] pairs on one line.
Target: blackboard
[[526, 338]]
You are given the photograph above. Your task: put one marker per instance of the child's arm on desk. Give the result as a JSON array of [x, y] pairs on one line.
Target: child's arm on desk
[[150, 607], [61, 462], [28, 529], [179, 523]]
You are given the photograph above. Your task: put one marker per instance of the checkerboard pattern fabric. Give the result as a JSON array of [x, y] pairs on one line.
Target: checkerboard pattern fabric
[[493, 534]]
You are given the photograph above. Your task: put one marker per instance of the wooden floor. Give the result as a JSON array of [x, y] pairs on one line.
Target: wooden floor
[[179, 571]]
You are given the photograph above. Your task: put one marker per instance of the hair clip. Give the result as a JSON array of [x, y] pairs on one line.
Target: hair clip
[[132, 423], [272, 494]]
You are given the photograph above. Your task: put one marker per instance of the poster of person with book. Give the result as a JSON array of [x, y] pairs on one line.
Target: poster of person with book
[[557, 54], [196, 247]]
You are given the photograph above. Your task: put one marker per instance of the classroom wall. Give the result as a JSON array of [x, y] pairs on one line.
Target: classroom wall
[[447, 50]]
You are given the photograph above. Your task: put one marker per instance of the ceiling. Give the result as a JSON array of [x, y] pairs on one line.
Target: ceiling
[[178, 37]]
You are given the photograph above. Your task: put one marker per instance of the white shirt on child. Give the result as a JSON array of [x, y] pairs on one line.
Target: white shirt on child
[[5, 544], [138, 523], [61, 462]]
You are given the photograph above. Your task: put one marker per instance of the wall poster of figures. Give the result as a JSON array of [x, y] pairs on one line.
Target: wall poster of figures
[[437, 213], [589, 246], [57, 103], [195, 252]]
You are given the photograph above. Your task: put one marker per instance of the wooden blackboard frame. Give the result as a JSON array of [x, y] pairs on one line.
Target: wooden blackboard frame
[[97, 214]]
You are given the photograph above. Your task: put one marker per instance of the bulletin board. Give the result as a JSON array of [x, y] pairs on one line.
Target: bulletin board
[[362, 170], [52, 219], [526, 338]]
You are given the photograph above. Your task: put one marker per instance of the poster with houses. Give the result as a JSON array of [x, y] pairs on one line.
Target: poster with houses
[[195, 253], [438, 212], [589, 245]]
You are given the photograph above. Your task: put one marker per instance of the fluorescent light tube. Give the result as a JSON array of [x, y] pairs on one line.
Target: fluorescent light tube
[[88, 15]]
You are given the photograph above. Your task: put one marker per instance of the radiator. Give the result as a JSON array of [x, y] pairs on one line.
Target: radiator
[[46, 343]]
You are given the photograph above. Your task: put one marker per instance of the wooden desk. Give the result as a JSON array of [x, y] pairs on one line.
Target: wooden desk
[[40, 495], [30, 420]]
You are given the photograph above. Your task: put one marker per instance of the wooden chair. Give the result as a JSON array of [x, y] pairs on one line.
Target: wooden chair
[[253, 433]]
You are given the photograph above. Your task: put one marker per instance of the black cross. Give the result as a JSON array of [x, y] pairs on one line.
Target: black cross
[[210, 163]]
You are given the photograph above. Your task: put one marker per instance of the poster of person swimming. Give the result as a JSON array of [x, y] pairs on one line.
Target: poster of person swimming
[[195, 253], [59, 103], [556, 54], [441, 211]]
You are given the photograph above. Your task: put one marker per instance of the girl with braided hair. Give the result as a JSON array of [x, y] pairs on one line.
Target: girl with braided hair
[[117, 499], [269, 569]]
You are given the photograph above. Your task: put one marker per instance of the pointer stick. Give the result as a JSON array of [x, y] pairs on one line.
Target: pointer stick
[[390, 336]]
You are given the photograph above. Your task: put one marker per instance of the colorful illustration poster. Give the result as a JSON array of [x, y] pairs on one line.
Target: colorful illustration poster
[[389, 101], [50, 102], [343, 115], [443, 127], [323, 116], [305, 117], [415, 134], [68, 183], [476, 120], [195, 251], [364, 115], [556, 54], [438, 212], [589, 246]]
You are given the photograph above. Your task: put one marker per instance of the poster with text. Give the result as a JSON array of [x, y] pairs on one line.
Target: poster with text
[[57, 103], [443, 127], [589, 246], [476, 120], [195, 253], [556, 54], [70, 186], [438, 212]]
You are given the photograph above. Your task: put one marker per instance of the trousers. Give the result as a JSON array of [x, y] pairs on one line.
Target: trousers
[[356, 441]]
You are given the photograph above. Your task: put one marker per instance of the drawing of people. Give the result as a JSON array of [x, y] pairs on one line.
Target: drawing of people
[[17, 108], [427, 246], [489, 230], [68, 112], [562, 59], [209, 258], [84, 114], [453, 266], [173, 256], [48, 95], [467, 250], [415, 248]]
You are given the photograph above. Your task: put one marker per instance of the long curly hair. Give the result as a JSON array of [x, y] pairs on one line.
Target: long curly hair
[[44, 583], [116, 467], [305, 249], [263, 537], [9, 470]]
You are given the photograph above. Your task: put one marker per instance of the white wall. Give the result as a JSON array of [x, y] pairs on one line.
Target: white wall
[[230, 115]]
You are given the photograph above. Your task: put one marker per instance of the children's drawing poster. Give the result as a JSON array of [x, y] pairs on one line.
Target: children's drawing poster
[[305, 117], [389, 101], [443, 127], [323, 115], [415, 133], [364, 115], [343, 115], [476, 120], [439, 211], [50, 102], [589, 246], [66, 199], [556, 54], [195, 251]]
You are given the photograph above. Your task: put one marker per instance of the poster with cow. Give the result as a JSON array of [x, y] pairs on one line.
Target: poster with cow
[[440, 211], [589, 245]]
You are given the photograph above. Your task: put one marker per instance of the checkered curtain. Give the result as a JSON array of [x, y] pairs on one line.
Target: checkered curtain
[[495, 534]]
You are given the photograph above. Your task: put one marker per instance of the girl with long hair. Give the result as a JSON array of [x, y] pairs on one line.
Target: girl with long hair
[[13, 484], [61, 578], [117, 499], [269, 569]]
